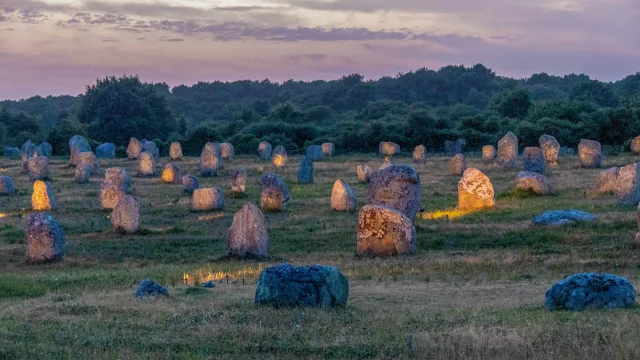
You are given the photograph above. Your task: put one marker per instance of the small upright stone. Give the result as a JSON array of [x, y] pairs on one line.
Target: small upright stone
[[215, 148], [385, 164], [239, 181], [150, 288], [209, 163], [38, 167], [208, 199], [44, 237], [146, 165], [314, 153], [550, 148], [190, 183], [274, 194], [363, 173], [151, 148], [531, 181], [279, 156], [457, 164], [6, 186], [508, 151], [488, 153], [42, 198], [635, 145], [627, 188], [77, 145], [383, 231], [171, 174], [175, 151], [264, 149], [26, 153], [90, 159], [125, 216], [82, 173], [110, 195], [398, 187], [420, 155], [305, 171], [134, 149], [46, 148], [533, 160], [343, 198], [475, 191], [248, 234], [227, 151], [11, 153], [118, 176], [388, 148], [607, 180], [106, 151], [590, 152], [328, 149]]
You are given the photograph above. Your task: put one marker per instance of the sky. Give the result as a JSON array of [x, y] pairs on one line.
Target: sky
[[53, 47]]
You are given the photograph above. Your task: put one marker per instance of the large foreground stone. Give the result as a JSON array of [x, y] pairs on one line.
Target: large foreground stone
[[146, 165], [227, 152], [488, 153], [175, 151], [388, 148], [42, 198], [562, 217], [239, 181], [38, 168], [533, 160], [118, 176], [328, 149], [172, 174], [248, 233], [475, 191], [305, 171], [77, 145], [150, 288], [110, 194], [274, 194], [125, 216], [457, 165], [279, 156], [6, 185], [531, 181], [590, 152], [190, 183], [343, 198], [134, 148], [208, 199], [420, 155], [264, 150], [607, 180], [44, 237], [590, 291], [508, 151], [106, 151], [364, 171], [314, 153], [550, 148], [398, 187], [284, 285], [384, 231]]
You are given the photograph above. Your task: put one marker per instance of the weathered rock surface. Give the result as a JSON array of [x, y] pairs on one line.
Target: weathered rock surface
[[151, 148], [363, 173], [420, 155], [172, 174], [627, 186], [6, 186], [607, 180], [264, 150], [314, 153], [248, 233], [531, 181], [42, 198], [46, 148], [457, 165], [590, 152], [279, 156], [488, 153], [343, 198], [90, 159], [134, 148], [305, 171], [328, 149], [274, 194], [150, 288], [175, 151], [227, 152], [146, 164], [11, 153], [508, 151], [533, 160], [106, 151], [398, 187], [562, 217], [190, 183], [118, 176], [110, 195], [38, 167], [44, 237], [209, 163], [284, 285], [82, 173], [550, 148], [77, 145], [208, 199], [388, 148], [475, 191], [125, 216], [239, 181], [384, 231], [590, 291]]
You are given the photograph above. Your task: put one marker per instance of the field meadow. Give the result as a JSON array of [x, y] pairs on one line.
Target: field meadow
[[474, 289]]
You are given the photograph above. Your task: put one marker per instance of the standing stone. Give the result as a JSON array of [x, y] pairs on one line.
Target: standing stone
[[607, 180], [264, 149], [42, 198], [384, 231], [175, 151], [398, 187], [248, 234], [635, 145], [388, 148], [314, 153], [457, 164], [274, 194], [533, 160], [26, 153], [110, 195], [77, 145], [488, 153], [328, 149], [627, 188], [215, 148], [590, 291], [106, 151], [190, 183], [209, 163], [385, 164], [208, 199], [6, 185], [420, 155], [279, 156], [550, 148], [239, 181], [590, 152], [475, 191], [227, 151], [508, 151], [343, 198], [531, 181], [134, 149], [146, 165], [149, 288], [171, 174], [38, 167], [119, 177], [90, 159], [305, 171], [44, 237], [151, 148], [363, 173], [454, 147], [38, 151], [305, 286], [83, 173], [125, 216], [11, 153], [46, 148]]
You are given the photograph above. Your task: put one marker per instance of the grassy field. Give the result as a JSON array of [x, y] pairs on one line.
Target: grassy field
[[475, 289]]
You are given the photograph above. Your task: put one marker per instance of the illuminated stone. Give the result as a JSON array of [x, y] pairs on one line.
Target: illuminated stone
[[151, 148], [248, 233], [208, 199], [171, 174], [475, 191], [607, 180], [328, 149], [398, 187], [239, 181], [42, 198], [363, 173], [385, 164], [590, 153], [384, 231], [209, 162], [175, 151], [488, 153], [420, 155], [508, 151], [125, 216], [146, 165], [274, 194], [343, 198], [119, 177], [110, 195], [227, 151], [134, 148], [388, 148], [550, 148], [279, 156]]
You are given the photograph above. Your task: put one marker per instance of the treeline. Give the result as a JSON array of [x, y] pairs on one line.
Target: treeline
[[420, 107]]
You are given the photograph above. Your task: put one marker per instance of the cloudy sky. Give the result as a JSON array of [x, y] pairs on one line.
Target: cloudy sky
[[60, 46]]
